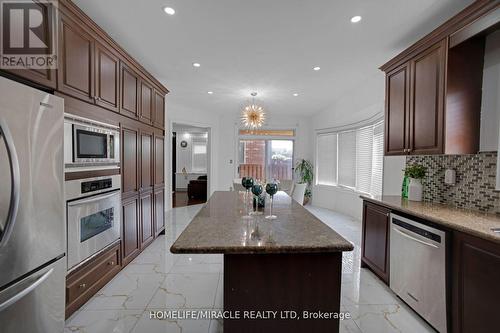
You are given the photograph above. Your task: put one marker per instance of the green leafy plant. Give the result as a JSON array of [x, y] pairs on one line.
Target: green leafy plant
[[304, 169], [416, 171]]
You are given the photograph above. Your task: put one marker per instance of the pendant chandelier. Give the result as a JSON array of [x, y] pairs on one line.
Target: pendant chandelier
[[253, 115]]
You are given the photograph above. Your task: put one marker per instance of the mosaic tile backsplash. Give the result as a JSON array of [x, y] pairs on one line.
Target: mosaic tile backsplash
[[475, 182]]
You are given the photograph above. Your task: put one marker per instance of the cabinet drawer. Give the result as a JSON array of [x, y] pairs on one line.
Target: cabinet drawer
[[85, 281]]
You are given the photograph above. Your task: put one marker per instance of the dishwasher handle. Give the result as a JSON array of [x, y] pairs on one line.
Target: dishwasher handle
[[404, 234]]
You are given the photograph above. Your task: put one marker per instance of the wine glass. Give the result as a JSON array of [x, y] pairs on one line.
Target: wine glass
[[271, 189], [257, 191], [247, 183]]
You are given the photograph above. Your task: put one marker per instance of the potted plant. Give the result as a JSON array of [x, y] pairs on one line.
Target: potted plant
[[415, 173], [304, 169]]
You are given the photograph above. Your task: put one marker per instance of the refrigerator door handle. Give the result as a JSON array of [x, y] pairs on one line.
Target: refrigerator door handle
[[15, 183], [4, 305]]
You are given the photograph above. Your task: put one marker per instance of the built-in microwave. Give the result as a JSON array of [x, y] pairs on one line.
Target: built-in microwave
[[90, 143]]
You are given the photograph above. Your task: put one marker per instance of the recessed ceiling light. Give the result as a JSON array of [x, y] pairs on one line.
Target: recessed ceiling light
[[210, 92], [295, 94], [196, 64], [356, 19], [317, 68], [169, 10]]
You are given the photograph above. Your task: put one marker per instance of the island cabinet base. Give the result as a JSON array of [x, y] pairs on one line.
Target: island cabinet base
[[279, 283]]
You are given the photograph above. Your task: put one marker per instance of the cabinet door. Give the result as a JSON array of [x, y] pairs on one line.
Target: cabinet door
[[396, 111], [159, 115], [129, 91], [130, 229], [107, 73], [146, 109], [130, 153], [147, 228], [159, 210], [476, 288], [427, 101], [76, 61], [375, 243], [159, 171], [146, 160]]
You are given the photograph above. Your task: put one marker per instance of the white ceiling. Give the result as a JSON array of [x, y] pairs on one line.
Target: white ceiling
[[268, 46]]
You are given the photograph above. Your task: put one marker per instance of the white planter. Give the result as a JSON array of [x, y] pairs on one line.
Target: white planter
[[415, 189]]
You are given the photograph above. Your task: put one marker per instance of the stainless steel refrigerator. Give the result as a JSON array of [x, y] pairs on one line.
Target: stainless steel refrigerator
[[32, 223]]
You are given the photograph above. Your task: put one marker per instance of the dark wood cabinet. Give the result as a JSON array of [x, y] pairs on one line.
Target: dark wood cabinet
[[130, 156], [76, 60], [159, 160], [131, 244], [375, 239], [147, 227], [475, 287], [86, 280], [427, 101], [397, 110], [159, 109], [107, 78], [146, 105], [415, 104], [129, 96], [43, 77], [146, 160], [159, 210]]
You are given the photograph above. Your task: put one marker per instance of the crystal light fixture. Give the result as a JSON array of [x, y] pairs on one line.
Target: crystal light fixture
[[253, 115]]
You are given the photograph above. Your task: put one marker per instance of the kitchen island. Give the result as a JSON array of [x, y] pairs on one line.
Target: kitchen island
[[281, 275]]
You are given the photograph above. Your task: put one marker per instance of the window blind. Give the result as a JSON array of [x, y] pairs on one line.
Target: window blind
[[326, 161], [347, 159], [364, 150], [199, 158], [377, 159]]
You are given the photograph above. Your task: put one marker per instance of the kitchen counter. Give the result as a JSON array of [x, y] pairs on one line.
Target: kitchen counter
[[289, 263], [220, 228], [468, 221]]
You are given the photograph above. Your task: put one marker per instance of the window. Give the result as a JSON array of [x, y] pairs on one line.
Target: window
[[199, 158], [352, 159], [326, 170]]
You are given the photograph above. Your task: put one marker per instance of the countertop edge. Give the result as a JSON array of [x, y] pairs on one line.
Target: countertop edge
[[283, 250], [442, 222]]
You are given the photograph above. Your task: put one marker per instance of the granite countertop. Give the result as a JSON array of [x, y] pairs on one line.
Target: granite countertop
[[468, 221], [219, 227]]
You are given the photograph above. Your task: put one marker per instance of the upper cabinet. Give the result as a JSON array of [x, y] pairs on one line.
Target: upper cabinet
[[107, 78], [159, 109], [76, 60], [426, 101], [146, 109], [129, 104], [433, 88]]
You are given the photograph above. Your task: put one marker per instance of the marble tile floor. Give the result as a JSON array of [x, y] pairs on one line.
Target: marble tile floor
[[159, 280]]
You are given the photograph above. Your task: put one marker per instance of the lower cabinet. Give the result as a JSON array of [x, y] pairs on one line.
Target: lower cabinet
[[476, 284], [130, 229], [159, 210], [375, 239], [147, 229], [86, 280]]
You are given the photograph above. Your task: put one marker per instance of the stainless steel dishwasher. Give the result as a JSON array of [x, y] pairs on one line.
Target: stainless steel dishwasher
[[418, 268]]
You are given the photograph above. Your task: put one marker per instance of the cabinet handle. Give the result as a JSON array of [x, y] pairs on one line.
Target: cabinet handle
[[83, 286], [111, 263]]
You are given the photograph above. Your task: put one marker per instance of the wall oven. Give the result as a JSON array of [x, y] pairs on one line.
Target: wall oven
[[88, 143], [93, 216]]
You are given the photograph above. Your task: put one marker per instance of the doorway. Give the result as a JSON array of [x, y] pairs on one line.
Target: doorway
[[190, 165]]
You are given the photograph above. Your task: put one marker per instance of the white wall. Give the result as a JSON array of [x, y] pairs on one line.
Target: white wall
[[357, 105]]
